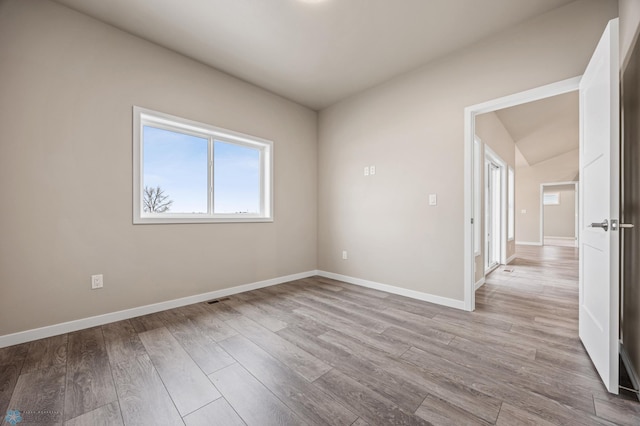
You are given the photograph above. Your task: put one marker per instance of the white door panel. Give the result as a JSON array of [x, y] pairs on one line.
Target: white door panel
[[599, 201]]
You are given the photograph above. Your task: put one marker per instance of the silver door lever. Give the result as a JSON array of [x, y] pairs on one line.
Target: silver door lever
[[604, 225]]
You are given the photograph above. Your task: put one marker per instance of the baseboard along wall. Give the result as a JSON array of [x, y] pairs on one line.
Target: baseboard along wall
[[83, 323]]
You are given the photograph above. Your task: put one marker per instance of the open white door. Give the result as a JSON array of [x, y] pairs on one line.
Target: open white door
[[599, 207]]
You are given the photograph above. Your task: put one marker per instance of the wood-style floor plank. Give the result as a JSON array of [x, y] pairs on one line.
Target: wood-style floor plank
[[306, 400], [142, 395], [45, 353], [147, 322], [11, 362], [122, 341], [89, 379], [255, 404], [218, 413], [187, 385], [439, 412], [256, 313], [211, 321], [401, 392], [107, 415], [203, 350], [622, 412], [305, 364], [368, 404], [512, 416], [39, 396], [482, 406]]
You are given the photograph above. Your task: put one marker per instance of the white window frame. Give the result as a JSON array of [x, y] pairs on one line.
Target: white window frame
[[477, 195], [511, 205], [143, 117]]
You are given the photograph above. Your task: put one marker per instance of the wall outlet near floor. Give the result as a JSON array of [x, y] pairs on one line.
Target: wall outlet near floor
[[344, 255], [97, 281]]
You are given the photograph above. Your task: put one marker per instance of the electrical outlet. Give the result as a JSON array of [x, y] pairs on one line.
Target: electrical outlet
[[97, 281], [372, 170], [344, 255], [366, 171]]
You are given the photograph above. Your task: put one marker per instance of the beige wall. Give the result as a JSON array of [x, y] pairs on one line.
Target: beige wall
[[563, 168], [411, 128], [560, 220], [493, 134], [629, 11], [66, 95]]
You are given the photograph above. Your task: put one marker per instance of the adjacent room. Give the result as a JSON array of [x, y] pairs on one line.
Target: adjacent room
[[348, 212]]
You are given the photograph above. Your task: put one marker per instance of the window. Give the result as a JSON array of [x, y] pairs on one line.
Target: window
[[477, 194], [185, 172], [551, 198], [511, 205]]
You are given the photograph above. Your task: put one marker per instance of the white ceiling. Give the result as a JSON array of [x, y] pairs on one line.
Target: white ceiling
[[543, 129], [313, 52]]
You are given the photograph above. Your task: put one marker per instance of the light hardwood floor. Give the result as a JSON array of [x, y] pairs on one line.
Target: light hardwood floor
[[318, 351]]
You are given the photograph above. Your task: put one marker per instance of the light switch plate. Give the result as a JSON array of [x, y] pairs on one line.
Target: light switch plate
[[433, 200]]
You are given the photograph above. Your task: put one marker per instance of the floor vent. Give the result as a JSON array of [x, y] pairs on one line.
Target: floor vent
[[507, 270], [211, 302]]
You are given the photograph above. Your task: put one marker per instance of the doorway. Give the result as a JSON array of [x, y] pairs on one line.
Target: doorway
[[471, 112], [559, 214]]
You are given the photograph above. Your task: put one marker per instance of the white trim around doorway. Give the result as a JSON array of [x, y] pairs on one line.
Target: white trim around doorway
[[470, 112]]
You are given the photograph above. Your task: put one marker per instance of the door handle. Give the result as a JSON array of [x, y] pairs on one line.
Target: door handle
[[604, 225]]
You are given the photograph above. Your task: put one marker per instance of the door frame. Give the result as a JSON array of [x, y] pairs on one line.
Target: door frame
[[490, 156], [470, 113], [577, 225]]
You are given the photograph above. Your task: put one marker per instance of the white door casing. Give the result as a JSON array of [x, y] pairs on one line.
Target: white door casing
[[599, 201]]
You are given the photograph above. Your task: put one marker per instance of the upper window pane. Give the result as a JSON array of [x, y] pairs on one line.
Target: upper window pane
[[175, 168], [236, 180]]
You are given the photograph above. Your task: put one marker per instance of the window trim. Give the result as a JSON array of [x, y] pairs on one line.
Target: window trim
[[511, 204], [143, 116], [478, 202]]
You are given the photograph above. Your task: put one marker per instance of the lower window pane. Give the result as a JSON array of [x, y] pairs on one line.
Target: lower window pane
[[175, 172], [236, 179]]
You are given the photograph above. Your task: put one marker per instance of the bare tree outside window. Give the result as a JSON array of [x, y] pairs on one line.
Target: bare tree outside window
[[155, 200]]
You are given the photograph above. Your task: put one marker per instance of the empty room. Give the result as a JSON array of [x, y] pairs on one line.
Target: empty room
[[310, 212]]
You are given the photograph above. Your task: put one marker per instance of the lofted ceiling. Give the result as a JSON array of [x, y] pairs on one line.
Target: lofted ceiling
[[314, 52], [543, 129]]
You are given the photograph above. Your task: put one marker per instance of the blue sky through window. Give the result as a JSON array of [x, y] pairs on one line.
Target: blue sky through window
[[236, 178], [178, 163]]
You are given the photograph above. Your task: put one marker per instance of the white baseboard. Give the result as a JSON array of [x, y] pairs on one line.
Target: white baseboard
[[560, 238], [511, 259], [633, 375], [426, 297], [528, 243], [480, 283], [80, 324]]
